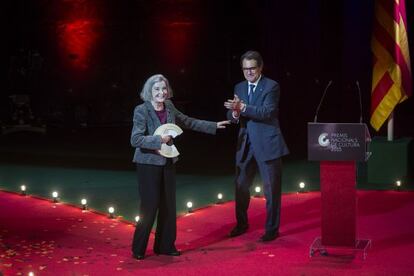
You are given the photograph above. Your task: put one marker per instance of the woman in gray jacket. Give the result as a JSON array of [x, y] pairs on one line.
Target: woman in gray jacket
[[156, 173]]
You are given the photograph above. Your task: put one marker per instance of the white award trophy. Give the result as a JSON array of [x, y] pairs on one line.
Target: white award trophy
[[169, 151]]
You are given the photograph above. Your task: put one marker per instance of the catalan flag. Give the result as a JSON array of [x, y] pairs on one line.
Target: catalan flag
[[391, 75]]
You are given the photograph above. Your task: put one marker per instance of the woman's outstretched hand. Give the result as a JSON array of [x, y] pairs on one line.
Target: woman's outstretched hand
[[222, 124]]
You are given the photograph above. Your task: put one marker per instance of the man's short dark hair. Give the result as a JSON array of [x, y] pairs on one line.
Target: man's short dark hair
[[252, 55]]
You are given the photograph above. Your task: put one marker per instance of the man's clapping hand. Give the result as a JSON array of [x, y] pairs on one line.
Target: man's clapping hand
[[236, 105]]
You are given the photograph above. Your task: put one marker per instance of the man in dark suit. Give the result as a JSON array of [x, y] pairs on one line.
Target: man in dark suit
[[260, 144]]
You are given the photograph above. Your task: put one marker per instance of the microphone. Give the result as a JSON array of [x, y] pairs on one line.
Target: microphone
[[320, 103], [360, 102]]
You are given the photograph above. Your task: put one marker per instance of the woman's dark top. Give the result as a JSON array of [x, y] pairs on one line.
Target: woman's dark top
[[162, 115]]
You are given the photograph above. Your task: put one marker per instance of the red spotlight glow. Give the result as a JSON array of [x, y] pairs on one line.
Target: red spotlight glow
[[77, 40], [79, 28], [177, 41]]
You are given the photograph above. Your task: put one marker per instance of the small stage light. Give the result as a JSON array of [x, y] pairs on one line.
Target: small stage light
[[55, 196], [189, 207], [258, 191], [219, 198], [137, 218], [398, 184], [111, 211], [84, 203], [302, 187], [30, 274], [23, 190]]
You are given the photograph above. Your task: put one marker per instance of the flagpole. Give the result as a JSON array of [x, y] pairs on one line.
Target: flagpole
[[390, 127]]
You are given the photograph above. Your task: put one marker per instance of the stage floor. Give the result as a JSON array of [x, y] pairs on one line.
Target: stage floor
[[58, 239]]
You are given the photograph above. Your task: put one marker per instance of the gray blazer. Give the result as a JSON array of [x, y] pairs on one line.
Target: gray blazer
[[146, 122]]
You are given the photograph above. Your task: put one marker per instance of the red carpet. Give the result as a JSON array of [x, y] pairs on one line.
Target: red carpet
[[57, 239]]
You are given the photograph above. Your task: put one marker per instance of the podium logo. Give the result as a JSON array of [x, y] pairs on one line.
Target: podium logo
[[323, 140]]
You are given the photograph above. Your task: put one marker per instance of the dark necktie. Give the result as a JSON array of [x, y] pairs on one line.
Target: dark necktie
[[251, 88]]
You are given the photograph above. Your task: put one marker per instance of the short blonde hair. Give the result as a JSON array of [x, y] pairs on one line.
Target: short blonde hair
[[146, 92]]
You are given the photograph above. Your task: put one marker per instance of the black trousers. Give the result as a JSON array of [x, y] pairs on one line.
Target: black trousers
[[271, 174], [156, 186]]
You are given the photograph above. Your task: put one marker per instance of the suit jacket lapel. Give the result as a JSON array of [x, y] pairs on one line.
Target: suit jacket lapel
[[244, 96], [152, 115], [170, 116], [259, 89]]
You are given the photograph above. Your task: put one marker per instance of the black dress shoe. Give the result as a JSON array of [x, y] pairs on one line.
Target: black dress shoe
[[238, 230], [138, 256], [172, 253], [269, 236]]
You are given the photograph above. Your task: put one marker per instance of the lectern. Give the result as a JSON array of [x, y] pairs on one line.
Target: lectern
[[338, 146]]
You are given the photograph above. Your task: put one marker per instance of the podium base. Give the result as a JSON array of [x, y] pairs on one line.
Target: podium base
[[361, 246]]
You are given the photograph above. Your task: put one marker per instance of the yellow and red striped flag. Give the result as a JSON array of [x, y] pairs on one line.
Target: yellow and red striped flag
[[391, 75]]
